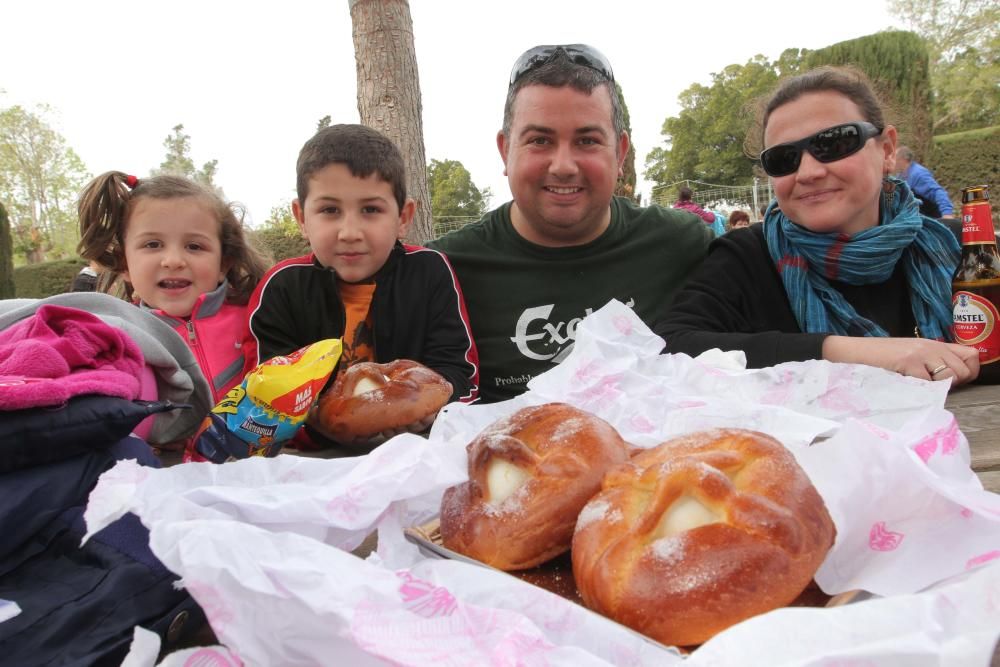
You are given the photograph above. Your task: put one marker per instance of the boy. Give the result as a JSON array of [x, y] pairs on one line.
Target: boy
[[385, 300]]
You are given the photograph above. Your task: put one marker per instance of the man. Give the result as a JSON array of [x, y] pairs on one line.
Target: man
[[934, 200], [533, 268]]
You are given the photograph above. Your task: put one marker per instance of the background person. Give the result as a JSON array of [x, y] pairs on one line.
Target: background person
[[86, 279], [533, 268], [934, 200], [686, 203], [845, 268], [738, 219]]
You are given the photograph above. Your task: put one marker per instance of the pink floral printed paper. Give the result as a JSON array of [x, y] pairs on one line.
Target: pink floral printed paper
[[261, 543]]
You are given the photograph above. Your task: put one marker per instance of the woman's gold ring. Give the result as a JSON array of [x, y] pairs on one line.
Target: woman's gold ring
[[940, 368]]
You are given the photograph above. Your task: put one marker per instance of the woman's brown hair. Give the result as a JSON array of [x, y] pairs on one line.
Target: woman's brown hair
[[846, 80], [737, 216]]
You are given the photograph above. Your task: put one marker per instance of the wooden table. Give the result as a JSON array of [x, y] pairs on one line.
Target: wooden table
[[977, 409]]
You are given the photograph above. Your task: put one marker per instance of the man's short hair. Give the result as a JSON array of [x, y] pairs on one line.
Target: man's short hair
[[361, 149], [558, 72], [905, 153]]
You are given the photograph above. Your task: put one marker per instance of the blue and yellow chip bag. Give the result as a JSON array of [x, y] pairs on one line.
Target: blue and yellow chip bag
[[266, 410]]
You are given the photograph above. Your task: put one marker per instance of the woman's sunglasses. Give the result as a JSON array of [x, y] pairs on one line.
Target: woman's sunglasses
[[581, 54], [829, 145]]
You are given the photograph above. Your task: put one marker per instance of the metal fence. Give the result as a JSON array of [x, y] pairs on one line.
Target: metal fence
[[722, 198], [449, 223]]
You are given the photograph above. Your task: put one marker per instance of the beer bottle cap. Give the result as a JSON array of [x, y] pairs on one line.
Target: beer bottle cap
[[975, 193]]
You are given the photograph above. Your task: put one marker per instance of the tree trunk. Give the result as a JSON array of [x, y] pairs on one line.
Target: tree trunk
[[389, 93], [6, 257]]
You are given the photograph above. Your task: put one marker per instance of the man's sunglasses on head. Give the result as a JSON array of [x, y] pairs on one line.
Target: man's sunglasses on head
[[829, 145], [581, 54]]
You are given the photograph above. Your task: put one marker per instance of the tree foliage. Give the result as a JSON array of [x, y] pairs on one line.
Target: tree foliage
[[705, 140], [279, 236], [278, 244], [40, 178], [963, 38], [178, 160], [950, 26], [626, 183], [453, 194], [967, 95], [281, 218]]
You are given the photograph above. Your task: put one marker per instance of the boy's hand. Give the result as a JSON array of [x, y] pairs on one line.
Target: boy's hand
[[419, 426]]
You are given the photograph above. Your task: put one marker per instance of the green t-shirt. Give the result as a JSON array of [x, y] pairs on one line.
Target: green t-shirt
[[525, 300]]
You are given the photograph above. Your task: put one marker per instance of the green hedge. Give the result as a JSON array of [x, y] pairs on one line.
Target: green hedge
[[968, 158], [279, 244], [36, 281]]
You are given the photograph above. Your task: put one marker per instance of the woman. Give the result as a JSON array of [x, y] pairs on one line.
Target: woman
[[844, 267], [737, 219]]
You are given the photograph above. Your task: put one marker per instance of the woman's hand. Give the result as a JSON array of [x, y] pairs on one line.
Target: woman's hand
[[916, 357]]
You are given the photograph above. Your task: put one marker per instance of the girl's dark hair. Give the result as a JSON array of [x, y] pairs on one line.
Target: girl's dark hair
[[846, 80], [685, 193], [108, 200]]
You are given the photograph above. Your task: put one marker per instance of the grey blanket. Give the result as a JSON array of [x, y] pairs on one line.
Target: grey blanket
[[178, 377]]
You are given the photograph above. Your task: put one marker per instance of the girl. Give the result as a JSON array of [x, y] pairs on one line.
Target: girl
[[844, 267], [179, 251]]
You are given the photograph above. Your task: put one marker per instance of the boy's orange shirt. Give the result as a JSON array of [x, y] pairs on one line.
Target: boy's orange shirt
[[358, 341]]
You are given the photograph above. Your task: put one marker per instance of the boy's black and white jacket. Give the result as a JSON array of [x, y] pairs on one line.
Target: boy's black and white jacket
[[417, 312]]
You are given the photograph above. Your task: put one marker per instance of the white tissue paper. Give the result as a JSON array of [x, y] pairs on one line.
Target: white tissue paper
[[262, 544], [8, 610]]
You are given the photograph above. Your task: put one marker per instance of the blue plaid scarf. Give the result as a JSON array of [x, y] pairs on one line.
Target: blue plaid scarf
[[806, 261]]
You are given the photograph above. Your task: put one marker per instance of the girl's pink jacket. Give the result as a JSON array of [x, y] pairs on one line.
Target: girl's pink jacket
[[218, 336]]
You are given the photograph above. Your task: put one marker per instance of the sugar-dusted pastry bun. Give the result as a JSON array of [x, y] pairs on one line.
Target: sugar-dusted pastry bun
[[529, 476], [700, 533], [369, 398]]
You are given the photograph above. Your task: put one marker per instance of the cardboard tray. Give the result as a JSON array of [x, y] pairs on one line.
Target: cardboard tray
[[556, 576]]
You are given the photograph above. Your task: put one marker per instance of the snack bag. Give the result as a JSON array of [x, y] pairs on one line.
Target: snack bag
[[267, 408]]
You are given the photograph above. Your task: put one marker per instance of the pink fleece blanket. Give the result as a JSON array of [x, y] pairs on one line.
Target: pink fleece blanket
[[61, 352]]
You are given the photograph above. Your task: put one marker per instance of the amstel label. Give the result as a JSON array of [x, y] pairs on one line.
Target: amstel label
[[977, 226], [976, 324]]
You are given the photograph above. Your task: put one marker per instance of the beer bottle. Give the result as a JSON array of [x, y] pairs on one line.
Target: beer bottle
[[976, 284]]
